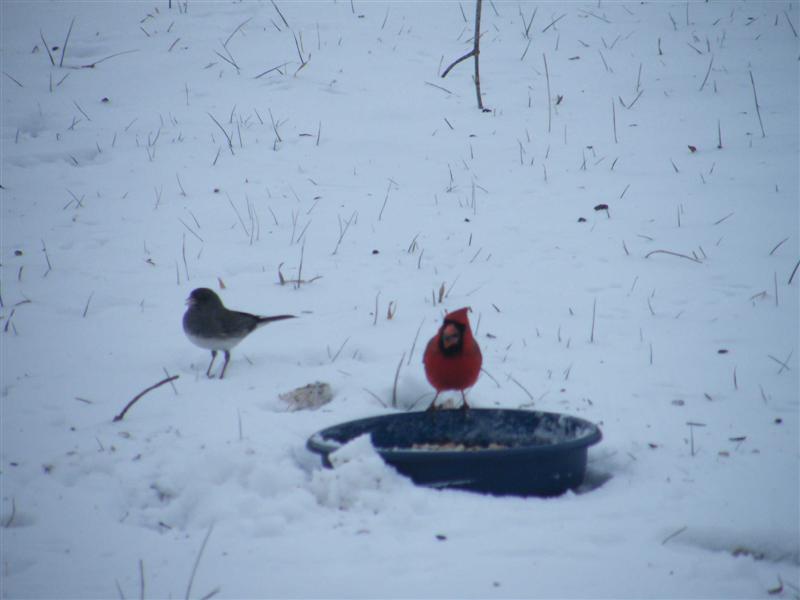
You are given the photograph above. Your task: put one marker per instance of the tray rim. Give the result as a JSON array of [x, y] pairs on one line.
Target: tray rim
[[318, 443]]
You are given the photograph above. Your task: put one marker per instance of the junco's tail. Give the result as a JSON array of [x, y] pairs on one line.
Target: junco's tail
[[265, 320]]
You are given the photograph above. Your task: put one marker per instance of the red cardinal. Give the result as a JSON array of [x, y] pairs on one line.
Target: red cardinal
[[453, 358]]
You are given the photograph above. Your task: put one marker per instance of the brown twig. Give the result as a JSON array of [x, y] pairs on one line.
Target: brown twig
[[693, 259], [469, 54], [476, 51], [121, 415], [478, 5]]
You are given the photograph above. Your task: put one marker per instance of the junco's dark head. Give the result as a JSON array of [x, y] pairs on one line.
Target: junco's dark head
[[203, 297]]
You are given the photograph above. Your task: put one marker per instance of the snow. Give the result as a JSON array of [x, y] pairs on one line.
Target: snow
[[120, 194]]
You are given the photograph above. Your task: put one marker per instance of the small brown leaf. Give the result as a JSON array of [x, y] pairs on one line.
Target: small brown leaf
[[692, 149]]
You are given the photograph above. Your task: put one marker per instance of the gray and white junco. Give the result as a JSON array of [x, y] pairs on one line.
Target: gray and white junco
[[208, 324]]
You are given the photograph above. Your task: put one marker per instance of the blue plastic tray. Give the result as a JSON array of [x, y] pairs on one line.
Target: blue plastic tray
[[495, 451]]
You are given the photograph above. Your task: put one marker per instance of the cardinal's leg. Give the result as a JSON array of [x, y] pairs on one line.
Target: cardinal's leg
[[432, 407]]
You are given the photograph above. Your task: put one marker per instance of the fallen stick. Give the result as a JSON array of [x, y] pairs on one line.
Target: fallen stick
[[649, 254], [121, 415]]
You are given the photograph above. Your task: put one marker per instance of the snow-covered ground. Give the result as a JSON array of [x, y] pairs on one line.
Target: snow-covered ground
[[121, 193]]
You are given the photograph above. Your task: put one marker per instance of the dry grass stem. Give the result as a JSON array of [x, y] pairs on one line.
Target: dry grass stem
[[549, 100], [396, 377], [758, 107], [794, 271], [86, 308], [197, 562], [523, 388], [339, 351], [693, 259], [708, 72], [12, 79], [225, 133], [66, 41], [47, 47], [674, 535], [414, 343], [778, 245]]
